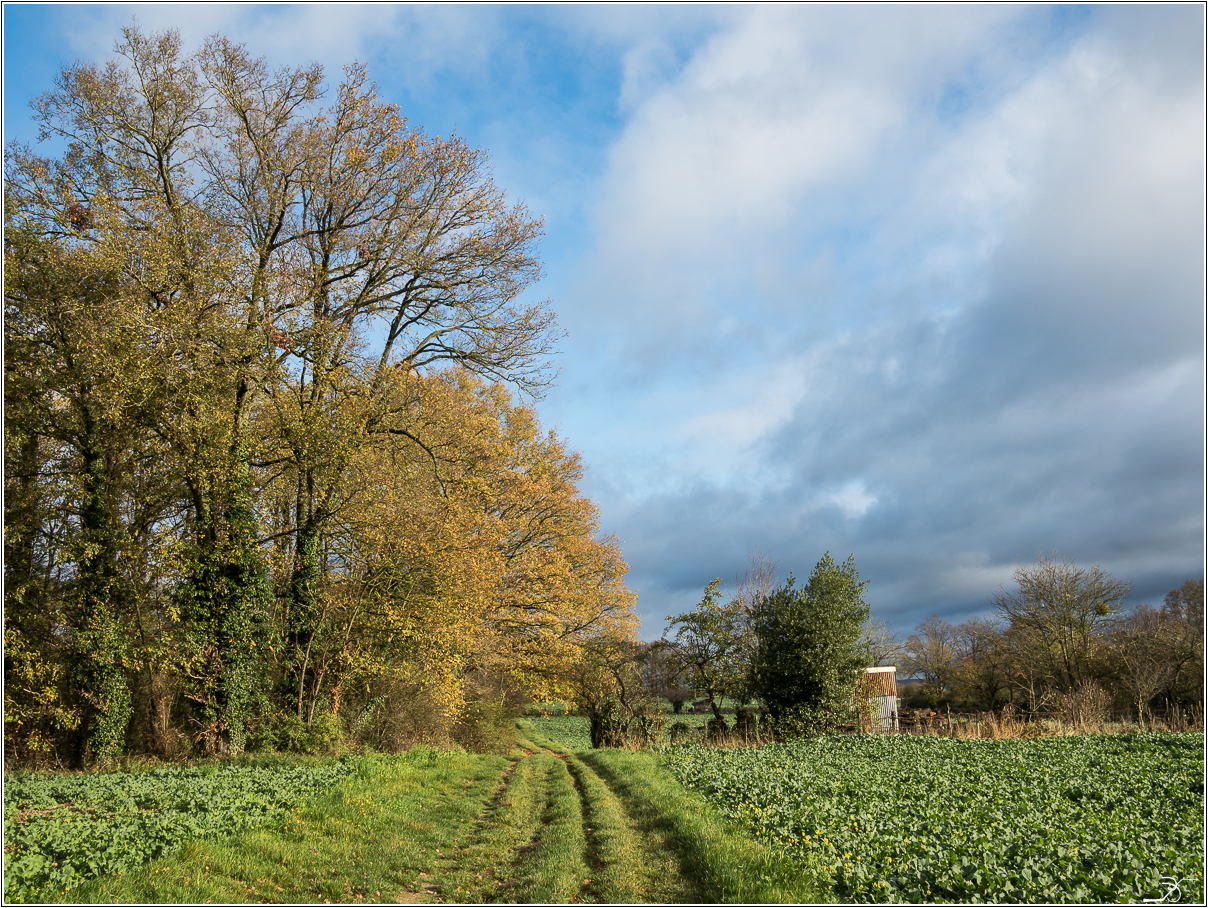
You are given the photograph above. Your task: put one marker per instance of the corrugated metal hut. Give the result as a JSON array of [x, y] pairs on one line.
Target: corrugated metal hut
[[880, 686]]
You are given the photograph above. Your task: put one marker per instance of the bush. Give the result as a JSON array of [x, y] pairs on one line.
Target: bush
[[324, 735]]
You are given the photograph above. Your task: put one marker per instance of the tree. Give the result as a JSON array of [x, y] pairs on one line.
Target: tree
[[279, 264], [663, 675], [808, 657], [1056, 613], [73, 383], [709, 646], [931, 655], [1140, 644], [262, 458], [982, 668], [878, 646], [489, 570], [608, 687], [1184, 611]]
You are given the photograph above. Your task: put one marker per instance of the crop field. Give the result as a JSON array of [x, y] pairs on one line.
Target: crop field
[[915, 819], [571, 732], [574, 732], [62, 830]]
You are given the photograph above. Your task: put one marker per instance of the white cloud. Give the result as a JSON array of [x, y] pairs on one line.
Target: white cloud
[[852, 498]]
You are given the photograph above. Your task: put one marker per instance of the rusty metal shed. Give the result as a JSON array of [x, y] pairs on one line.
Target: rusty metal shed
[[880, 686]]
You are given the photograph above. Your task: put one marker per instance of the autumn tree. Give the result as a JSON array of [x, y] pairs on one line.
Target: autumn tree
[[490, 567], [251, 321], [982, 668], [607, 687]]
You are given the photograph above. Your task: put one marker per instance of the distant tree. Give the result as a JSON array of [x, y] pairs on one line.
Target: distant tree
[[931, 656], [663, 675], [808, 658], [1056, 612], [1140, 647], [982, 669], [1184, 611], [1187, 604], [750, 588], [878, 645]]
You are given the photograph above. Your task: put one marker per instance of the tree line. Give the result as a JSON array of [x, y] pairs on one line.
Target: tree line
[[793, 654], [1065, 632], [266, 480], [1061, 640]]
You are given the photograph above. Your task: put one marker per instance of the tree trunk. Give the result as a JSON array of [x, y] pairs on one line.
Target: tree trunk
[[98, 639]]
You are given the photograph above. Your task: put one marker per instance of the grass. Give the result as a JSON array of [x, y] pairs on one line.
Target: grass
[[574, 732], [379, 837], [718, 860], [658, 842], [541, 825]]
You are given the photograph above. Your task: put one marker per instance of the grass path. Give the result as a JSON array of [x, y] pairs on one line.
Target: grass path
[[541, 825]]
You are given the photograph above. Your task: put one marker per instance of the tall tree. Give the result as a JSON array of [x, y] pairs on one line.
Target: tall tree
[[285, 260]]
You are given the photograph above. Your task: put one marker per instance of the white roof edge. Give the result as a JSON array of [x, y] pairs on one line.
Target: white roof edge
[[882, 668]]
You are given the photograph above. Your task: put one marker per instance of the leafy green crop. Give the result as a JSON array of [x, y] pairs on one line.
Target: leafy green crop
[[62, 830], [912, 819], [572, 732]]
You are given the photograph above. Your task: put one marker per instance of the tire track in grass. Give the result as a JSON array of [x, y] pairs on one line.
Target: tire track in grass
[[552, 869], [630, 860], [715, 857], [480, 866], [628, 865]]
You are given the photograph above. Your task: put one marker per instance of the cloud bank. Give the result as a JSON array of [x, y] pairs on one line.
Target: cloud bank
[[918, 284]]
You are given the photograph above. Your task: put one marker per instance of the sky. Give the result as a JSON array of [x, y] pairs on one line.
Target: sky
[[918, 284]]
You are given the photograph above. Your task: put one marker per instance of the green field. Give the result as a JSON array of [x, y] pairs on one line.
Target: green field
[[849, 818], [541, 825], [574, 732], [906, 819], [62, 830]]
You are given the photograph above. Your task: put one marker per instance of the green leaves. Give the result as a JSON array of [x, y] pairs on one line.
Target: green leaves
[[807, 659], [907, 819], [62, 830]]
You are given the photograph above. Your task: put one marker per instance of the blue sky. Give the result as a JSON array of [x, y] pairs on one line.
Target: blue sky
[[920, 283]]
